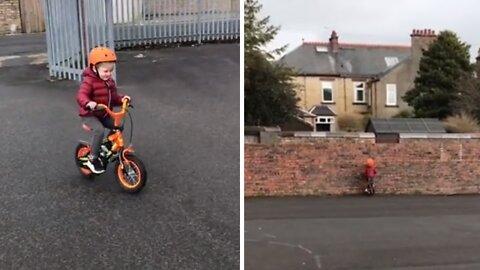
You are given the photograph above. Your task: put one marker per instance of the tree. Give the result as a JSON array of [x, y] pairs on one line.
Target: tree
[[269, 93], [441, 66], [469, 93]]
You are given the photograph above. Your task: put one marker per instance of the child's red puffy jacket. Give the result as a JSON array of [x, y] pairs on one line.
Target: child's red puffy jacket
[[95, 89], [370, 171]]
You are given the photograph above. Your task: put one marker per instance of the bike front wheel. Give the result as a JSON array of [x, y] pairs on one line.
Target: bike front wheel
[[133, 176]]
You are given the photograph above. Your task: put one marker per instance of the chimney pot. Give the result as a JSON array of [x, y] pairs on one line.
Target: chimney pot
[[334, 41]]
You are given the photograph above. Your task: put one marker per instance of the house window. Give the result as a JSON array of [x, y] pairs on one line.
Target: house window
[[324, 120], [391, 95], [359, 92], [327, 92], [391, 61]]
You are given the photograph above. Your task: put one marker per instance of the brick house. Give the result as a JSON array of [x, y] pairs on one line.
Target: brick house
[[367, 79]]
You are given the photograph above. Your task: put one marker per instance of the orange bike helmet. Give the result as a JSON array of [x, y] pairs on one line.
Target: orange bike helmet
[[370, 162], [101, 54]]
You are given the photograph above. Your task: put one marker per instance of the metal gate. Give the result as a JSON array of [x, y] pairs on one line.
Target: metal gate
[[74, 27]]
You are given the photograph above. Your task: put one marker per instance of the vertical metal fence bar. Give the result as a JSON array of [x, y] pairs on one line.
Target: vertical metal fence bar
[[94, 22], [88, 31], [151, 22], [191, 18], [219, 22], [178, 23], [48, 34], [109, 24], [67, 40], [81, 35], [209, 9], [51, 18], [155, 22], [120, 38], [176, 30], [100, 23], [188, 12], [124, 24], [199, 21], [115, 10], [54, 19], [132, 24], [103, 23], [74, 40], [61, 41], [171, 21], [212, 21], [144, 9]]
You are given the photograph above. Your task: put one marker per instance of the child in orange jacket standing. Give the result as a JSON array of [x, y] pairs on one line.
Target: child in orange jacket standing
[[370, 172]]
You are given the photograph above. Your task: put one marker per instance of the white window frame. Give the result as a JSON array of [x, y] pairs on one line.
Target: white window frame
[[356, 89], [391, 94], [326, 120], [327, 85]]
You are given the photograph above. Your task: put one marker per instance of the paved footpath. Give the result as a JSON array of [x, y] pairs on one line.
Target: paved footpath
[[400, 233]]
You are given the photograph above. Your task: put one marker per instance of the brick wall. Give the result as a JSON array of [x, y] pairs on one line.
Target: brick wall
[[320, 166], [9, 14]]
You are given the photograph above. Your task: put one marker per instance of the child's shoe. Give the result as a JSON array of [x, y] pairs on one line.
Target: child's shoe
[[95, 165]]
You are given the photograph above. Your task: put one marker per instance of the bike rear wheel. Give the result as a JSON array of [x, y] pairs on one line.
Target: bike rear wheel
[[81, 153]]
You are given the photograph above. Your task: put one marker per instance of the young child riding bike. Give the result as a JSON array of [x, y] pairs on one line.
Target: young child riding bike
[[370, 172], [98, 87]]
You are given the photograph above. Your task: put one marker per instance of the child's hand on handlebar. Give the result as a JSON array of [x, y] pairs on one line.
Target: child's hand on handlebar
[[91, 105], [129, 99]]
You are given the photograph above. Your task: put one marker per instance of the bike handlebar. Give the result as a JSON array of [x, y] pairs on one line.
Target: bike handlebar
[[115, 115]]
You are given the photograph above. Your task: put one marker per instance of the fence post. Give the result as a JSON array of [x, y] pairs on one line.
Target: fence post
[[199, 20], [109, 28], [48, 37]]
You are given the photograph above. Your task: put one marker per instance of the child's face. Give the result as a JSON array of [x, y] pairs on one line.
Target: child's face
[[105, 70]]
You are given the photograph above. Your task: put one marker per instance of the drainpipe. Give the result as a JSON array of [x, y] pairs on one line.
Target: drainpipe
[[305, 92], [375, 96], [345, 94]]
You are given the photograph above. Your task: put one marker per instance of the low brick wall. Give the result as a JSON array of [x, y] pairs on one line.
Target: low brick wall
[[333, 165], [9, 14]]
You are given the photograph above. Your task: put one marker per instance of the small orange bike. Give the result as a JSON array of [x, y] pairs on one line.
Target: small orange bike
[[130, 171]]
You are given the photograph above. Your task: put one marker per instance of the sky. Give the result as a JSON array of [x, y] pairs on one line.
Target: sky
[[371, 21]]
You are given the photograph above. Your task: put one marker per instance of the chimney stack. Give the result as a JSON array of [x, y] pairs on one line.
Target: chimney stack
[[420, 41], [334, 47]]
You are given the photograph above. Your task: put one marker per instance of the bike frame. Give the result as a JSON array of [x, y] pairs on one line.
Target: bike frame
[[116, 138]]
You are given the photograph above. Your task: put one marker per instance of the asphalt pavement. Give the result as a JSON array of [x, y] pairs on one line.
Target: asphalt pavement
[[23, 49], [186, 120], [398, 233]]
